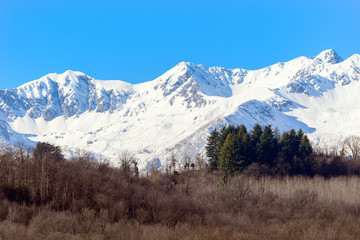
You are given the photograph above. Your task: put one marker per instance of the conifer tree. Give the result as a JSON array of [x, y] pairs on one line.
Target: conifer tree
[[227, 156], [289, 145], [256, 133], [255, 138], [305, 148], [225, 132], [299, 135], [243, 148], [212, 148], [267, 147]]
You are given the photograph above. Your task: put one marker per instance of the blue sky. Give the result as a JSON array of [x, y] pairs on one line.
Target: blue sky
[[137, 41]]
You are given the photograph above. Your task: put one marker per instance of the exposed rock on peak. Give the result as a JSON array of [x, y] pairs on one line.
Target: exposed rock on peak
[[329, 56]]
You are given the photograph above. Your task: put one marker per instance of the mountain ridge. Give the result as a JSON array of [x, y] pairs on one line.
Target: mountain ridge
[[174, 112]]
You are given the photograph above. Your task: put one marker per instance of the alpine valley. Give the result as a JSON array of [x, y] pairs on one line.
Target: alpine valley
[[174, 113]]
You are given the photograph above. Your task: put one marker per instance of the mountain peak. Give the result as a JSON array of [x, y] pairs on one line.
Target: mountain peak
[[71, 72], [329, 56], [181, 70], [183, 63], [70, 75]]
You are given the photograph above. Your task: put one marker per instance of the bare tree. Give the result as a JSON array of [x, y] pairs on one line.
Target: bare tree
[[186, 161], [154, 169], [136, 169], [352, 144], [126, 159], [173, 162], [200, 161]]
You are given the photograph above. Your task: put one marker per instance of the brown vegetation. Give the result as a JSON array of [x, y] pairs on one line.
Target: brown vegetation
[[46, 197]]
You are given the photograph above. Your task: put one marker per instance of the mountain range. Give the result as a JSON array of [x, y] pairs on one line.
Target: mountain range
[[174, 113]]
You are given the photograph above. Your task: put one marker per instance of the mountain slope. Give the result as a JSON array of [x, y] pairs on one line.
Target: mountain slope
[[174, 113]]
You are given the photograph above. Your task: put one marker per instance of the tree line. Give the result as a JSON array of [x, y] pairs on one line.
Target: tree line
[[263, 150]]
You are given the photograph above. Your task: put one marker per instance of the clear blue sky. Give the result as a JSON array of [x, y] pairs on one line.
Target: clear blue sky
[[137, 41]]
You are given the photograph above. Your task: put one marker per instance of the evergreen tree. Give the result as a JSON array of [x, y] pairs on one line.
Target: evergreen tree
[[295, 141], [267, 147], [241, 129], [227, 156], [256, 133], [299, 135], [243, 149], [305, 148], [223, 135], [225, 132], [212, 150], [289, 145], [255, 138]]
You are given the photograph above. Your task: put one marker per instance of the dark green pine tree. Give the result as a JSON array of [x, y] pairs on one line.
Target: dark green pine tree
[[243, 148], [256, 133], [241, 130], [305, 148], [255, 138], [227, 156], [212, 148], [225, 132], [289, 145], [299, 136], [267, 147]]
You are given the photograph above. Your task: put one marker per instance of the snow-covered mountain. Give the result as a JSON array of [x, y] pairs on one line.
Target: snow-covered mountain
[[174, 112]]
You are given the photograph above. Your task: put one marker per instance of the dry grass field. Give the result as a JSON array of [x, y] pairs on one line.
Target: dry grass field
[[195, 205]]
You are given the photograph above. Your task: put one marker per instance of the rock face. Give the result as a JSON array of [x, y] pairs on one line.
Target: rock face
[[174, 113]]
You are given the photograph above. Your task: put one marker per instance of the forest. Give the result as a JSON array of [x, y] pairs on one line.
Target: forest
[[258, 184], [264, 151]]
